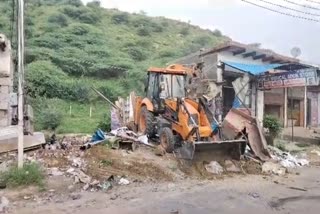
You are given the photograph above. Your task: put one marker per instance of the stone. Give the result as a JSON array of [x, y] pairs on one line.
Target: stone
[[214, 167], [86, 187], [55, 172], [231, 167], [75, 196], [159, 151], [171, 186], [273, 168], [4, 205], [123, 181]]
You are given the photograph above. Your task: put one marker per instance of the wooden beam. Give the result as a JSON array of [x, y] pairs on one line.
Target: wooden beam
[[259, 56], [240, 51], [253, 53]]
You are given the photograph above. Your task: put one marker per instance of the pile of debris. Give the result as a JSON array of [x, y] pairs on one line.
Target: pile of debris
[[282, 162]]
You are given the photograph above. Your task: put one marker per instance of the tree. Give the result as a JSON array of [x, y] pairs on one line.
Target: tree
[[143, 31], [59, 19], [120, 18], [95, 3], [217, 32]]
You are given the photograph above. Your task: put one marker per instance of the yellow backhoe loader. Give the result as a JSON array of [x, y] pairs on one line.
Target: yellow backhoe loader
[[183, 125]]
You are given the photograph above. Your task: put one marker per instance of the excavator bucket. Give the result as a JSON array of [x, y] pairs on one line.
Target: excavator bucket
[[239, 121], [211, 151]]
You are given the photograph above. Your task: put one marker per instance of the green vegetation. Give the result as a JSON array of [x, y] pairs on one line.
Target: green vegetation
[[30, 174], [71, 47], [273, 124]]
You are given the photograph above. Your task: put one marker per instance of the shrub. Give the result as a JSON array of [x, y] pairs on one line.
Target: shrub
[[167, 53], [94, 3], [185, 31], [79, 29], [43, 79], [89, 18], [217, 33], [273, 125], [105, 123], [30, 174], [74, 12], [59, 19], [202, 40], [50, 119], [137, 54], [120, 18], [76, 3], [143, 31]]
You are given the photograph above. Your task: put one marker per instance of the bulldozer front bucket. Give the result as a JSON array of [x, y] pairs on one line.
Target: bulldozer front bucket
[[209, 151]]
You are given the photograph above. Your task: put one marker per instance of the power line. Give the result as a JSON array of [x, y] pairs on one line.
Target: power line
[[280, 12], [288, 8], [315, 2], [302, 5]]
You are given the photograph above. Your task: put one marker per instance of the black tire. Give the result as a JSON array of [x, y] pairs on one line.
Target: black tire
[[167, 139], [148, 118]]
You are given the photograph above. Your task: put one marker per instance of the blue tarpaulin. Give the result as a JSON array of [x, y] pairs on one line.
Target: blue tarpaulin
[[252, 68]]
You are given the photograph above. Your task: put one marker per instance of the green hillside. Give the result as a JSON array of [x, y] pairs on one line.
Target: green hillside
[[71, 47]]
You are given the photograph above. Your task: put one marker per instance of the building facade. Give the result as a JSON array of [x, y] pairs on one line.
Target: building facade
[[263, 82]]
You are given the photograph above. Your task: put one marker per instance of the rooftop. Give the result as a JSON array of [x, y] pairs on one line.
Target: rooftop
[[252, 51]]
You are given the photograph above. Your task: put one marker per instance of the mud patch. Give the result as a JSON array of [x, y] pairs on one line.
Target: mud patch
[[251, 167], [103, 162]]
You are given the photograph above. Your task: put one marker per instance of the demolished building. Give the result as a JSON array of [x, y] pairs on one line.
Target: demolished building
[[262, 82]]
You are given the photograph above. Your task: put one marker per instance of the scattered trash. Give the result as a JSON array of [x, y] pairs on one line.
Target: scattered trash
[[171, 186], [297, 188], [214, 167], [55, 172], [123, 181], [105, 186], [70, 170], [114, 197], [317, 152], [77, 162], [286, 159], [4, 205], [83, 177], [26, 197], [254, 195], [86, 187], [75, 196], [274, 168]]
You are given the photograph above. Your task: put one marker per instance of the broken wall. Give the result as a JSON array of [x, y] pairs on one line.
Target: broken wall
[[6, 81]]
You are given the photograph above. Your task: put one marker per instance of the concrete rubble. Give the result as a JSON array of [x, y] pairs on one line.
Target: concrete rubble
[[286, 159], [273, 168], [4, 205], [214, 167]]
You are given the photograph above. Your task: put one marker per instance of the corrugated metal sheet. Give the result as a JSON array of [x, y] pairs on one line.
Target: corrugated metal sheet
[[252, 68]]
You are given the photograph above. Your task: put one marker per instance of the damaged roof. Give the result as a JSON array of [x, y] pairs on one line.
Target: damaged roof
[[250, 51]]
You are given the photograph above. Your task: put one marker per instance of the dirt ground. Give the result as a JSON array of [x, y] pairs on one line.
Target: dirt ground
[[294, 193], [161, 184]]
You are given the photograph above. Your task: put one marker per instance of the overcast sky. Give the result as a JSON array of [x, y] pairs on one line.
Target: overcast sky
[[241, 21]]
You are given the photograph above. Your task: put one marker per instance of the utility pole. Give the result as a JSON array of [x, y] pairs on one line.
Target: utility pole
[[20, 28]]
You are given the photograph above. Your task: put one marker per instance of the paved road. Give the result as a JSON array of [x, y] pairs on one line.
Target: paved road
[[241, 194]]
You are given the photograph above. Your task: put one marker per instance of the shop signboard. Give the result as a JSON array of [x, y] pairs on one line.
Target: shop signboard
[[297, 78]]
